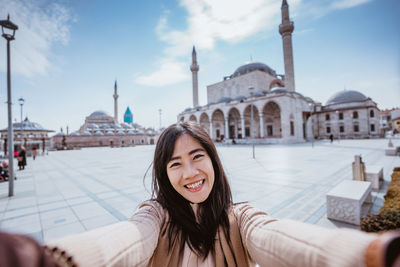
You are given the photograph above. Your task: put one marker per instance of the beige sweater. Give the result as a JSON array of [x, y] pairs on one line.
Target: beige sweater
[[269, 242]]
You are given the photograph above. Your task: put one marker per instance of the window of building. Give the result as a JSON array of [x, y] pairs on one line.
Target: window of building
[[341, 129], [371, 113], [133, 141], [291, 128], [356, 129], [328, 129], [341, 116], [327, 117], [355, 115], [372, 127]]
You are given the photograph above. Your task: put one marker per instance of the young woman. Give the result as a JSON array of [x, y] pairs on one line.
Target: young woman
[[192, 221]]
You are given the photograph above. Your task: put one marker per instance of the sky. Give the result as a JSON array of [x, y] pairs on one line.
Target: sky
[[67, 54]]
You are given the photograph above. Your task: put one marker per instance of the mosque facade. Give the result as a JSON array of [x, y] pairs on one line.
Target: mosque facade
[[101, 129], [257, 105]]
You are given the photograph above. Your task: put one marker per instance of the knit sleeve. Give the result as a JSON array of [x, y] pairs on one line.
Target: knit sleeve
[[273, 242], [128, 243]]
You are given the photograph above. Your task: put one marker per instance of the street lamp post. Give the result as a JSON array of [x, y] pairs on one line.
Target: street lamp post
[[21, 103], [8, 29], [337, 115], [251, 91], [312, 123]]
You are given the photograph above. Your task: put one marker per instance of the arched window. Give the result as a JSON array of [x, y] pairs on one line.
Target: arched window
[[327, 117]]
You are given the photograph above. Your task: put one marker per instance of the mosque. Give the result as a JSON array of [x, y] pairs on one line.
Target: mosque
[[101, 129], [257, 105]]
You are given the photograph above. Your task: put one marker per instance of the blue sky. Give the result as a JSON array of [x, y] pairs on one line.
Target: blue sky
[[68, 53]]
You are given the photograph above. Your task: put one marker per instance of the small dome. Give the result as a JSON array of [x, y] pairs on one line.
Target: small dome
[[346, 96], [74, 134], [85, 133], [98, 113], [98, 133], [258, 94], [59, 134], [224, 99], [252, 66], [188, 109], [240, 98], [278, 90]]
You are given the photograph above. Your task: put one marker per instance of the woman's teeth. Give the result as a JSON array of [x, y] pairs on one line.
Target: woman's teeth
[[192, 186]]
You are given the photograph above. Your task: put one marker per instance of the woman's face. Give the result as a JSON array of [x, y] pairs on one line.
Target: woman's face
[[190, 170]]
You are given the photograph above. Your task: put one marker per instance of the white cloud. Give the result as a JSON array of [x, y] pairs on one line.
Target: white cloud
[[209, 21], [170, 72], [41, 25], [342, 4]]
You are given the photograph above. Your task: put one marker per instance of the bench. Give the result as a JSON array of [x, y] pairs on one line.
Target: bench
[[345, 200], [374, 174], [391, 151]]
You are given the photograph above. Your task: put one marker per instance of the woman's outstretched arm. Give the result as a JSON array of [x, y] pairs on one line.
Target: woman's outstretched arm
[[129, 243], [273, 242]]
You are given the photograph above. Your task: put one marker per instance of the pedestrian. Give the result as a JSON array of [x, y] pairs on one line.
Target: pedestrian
[[34, 152], [22, 158], [331, 137], [191, 220]]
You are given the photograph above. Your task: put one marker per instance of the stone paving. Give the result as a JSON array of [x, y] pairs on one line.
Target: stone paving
[[73, 191]]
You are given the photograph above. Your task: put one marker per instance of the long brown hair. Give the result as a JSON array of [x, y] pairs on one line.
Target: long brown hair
[[212, 213]]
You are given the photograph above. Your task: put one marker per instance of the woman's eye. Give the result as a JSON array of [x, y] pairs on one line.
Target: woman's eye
[[175, 164], [198, 156]]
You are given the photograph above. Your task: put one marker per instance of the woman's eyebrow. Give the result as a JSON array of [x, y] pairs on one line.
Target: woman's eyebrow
[[190, 153]]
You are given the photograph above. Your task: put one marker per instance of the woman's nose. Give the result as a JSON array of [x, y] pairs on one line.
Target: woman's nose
[[189, 171]]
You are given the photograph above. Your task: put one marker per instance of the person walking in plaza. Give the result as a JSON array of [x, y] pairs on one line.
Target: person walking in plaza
[[331, 138], [34, 152], [191, 220], [21, 158]]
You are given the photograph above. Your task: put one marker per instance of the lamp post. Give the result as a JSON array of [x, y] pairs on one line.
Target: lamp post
[[251, 91], [312, 106], [21, 102], [160, 117], [337, 115], [8, 29]]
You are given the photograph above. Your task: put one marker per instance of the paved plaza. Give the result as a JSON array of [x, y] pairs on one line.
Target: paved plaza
[[73, 191]]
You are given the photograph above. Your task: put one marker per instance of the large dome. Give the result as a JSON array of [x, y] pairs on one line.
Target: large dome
[[252, 66], [99, 113], [346, 96]]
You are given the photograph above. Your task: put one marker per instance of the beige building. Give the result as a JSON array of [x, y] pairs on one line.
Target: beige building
[[28, 134], [395, 116], [257, 105]]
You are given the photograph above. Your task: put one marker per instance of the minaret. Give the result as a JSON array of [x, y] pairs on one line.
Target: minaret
[[115, 102], [286, 29], [194, 68]]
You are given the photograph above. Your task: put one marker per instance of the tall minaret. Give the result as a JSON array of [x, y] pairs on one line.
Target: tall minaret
[[115, 102], [286, 29], [194, 68]]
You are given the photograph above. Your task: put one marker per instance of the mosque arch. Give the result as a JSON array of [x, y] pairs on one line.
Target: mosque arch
[[205, 122], [247, 122], [193, 118], [272, 120], [276, 83], [234, 123], [218, 124]]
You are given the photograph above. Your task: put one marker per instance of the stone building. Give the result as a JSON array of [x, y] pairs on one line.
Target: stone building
[[395, 116], [28, 134], [101, 129], [257, 105]]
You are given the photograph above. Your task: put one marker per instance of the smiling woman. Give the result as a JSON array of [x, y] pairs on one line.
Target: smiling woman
[[191, 220]]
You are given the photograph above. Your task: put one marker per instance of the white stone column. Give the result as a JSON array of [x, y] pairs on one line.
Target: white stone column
[[226, 129], [243, 129], [261, 125], [211, 131]]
